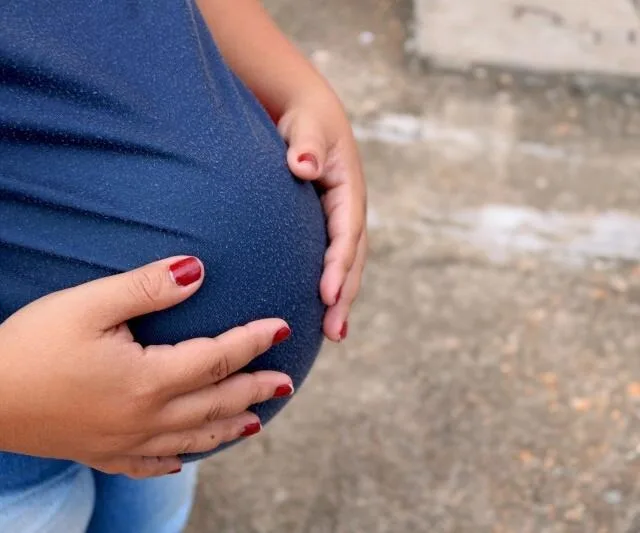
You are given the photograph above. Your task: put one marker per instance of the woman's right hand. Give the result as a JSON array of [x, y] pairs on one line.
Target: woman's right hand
[[75, 385]]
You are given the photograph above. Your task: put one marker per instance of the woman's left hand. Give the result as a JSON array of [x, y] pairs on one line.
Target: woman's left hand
[[322, 148]]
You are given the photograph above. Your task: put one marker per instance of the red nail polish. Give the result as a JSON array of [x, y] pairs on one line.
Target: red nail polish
[[251, 429], [281, 335], [344, 331], [282, 391], [177, 471], [186, 271], [309, 158]]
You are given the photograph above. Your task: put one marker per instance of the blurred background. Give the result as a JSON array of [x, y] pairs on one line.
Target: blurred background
[[491, 380]]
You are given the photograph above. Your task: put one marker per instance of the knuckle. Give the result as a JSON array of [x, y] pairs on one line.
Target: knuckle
[[140, 404], [143, 395], [257, 345], [145, 286], [255, 393], [344, 265], [245, 330], [253, 339], [340, 255], [221, 367], [136, 472], [143, 467], [215, 411], [113, 444], [186, 444], [107, 468], [353, 232]]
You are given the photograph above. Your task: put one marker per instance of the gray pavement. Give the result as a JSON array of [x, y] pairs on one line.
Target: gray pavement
[[491, 381], [585, 36]]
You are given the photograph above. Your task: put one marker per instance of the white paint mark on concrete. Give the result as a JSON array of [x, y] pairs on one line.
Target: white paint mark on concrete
[[366, 38], [504, 231], [403, 129], [500, 228], [455, 141], [373, 219]]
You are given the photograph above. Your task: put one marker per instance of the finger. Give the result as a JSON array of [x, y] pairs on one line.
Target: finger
[[345, 225], [109, 301], [336, 318], [139, 467], [307, 147], [226, 399], [196, 363], [202, 439]]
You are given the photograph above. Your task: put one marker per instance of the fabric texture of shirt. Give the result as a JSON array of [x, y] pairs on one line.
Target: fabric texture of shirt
[[125, 138]]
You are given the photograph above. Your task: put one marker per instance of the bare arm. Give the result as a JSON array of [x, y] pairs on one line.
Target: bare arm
[[258, 52]]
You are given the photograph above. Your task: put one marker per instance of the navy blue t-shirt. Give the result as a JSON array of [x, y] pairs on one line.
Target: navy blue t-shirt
[[124, 138]]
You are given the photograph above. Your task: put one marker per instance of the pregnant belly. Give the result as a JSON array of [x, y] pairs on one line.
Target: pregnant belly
[[259, 232]]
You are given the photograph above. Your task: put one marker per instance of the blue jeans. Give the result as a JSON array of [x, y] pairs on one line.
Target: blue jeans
[[80, 500]]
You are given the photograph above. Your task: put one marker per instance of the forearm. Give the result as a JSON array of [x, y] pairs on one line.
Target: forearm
[[258, 52]]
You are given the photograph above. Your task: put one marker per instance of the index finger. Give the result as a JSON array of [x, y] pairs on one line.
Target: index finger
[[345, 215], [197, 363]]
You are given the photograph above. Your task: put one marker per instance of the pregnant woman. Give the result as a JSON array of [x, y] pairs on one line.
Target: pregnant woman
[[143, 144]]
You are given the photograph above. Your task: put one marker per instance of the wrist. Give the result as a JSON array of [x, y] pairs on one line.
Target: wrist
[[321, 101]]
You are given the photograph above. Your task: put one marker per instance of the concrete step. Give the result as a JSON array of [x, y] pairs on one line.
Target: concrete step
[[599, 38]]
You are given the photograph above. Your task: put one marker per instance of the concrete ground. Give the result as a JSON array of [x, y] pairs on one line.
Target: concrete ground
[[584, 36], [491, 381]]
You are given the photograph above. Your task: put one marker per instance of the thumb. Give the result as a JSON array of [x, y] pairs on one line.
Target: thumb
[[112, 300], [307, 147]]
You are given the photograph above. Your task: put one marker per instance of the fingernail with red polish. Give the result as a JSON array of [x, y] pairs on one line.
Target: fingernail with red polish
[[344, 331], [251, 429], [309, 158], [177, 471], [283, 390], [281, 335], [186, 271]]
